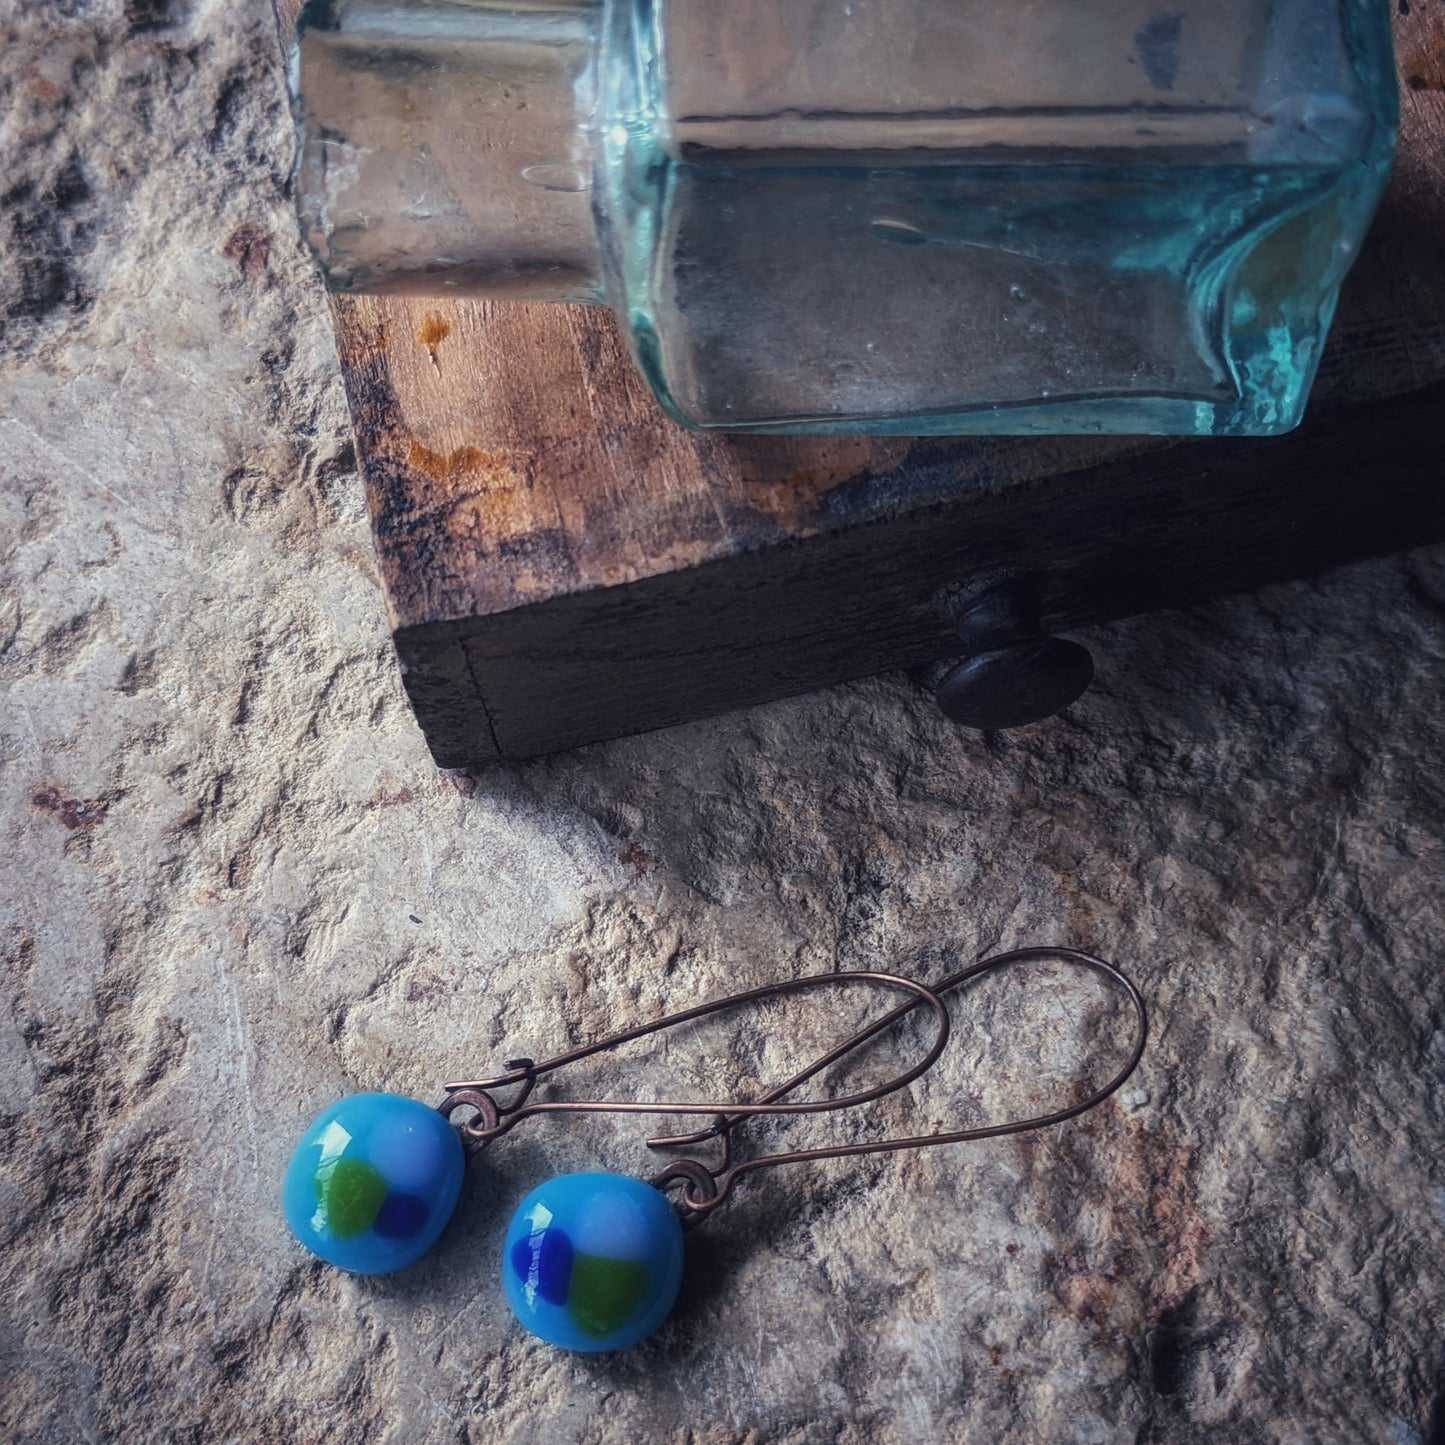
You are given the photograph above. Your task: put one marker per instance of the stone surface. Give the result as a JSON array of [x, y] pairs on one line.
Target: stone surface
[[234, 886]]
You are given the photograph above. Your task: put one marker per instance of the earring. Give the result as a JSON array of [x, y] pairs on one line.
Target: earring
[[594, 1261]]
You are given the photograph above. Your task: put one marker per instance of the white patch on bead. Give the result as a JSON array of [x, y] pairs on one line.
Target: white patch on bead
[[409, 1158], [609, 1225], [335, 1139]]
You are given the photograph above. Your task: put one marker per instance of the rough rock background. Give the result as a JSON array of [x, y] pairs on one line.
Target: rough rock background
[[233, 885]]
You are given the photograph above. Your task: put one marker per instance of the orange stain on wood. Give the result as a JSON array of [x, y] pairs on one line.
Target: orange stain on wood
[[476, 490], [440, 468], [434, 329], [795, 502], [798, 496]]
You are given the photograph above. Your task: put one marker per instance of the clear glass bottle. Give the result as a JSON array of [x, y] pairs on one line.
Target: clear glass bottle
[[913, 216]]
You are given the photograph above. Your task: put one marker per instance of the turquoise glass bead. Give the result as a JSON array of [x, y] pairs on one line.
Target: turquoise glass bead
[[373, 1182], [592, 1261]]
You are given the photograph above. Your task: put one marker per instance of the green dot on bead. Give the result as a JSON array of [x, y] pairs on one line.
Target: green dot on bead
[[603, 1293], [350, 1194]]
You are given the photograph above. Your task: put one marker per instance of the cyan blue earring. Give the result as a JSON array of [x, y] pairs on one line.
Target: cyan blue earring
[[373, 1182], [594, 1261], [590, 1262]]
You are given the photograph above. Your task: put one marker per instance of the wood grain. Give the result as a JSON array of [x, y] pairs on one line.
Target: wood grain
[[516, 463], [1104, 542]]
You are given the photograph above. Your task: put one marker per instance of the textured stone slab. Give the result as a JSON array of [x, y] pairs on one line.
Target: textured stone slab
[[233, 885]]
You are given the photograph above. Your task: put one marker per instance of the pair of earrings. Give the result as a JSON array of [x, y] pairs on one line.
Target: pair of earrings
[[594, 1261]]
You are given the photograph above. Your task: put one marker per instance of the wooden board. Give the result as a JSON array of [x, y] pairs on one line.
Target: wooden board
[[564, 564]]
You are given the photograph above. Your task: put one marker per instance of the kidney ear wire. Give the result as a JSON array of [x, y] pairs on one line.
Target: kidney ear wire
[[700, 1188], [493, 1119]]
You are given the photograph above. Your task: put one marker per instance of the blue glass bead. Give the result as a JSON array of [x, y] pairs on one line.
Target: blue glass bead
[[373, 1182], [592, 1261]]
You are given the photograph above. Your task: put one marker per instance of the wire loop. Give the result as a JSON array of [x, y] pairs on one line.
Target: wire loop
[[502, 1118], [703, 1187]]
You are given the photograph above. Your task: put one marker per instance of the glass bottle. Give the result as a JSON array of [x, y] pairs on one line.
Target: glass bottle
[[875, 216]]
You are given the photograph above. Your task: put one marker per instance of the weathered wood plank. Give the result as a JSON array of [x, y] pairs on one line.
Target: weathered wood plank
[[1105, 542], [523, 482]]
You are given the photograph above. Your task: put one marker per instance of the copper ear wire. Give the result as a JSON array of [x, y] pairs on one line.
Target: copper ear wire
[[704, 1188], [494, 1120]]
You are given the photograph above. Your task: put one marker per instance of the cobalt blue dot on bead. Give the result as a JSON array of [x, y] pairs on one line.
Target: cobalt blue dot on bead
[[402, 1216], [592, 1261], [373, 1182]]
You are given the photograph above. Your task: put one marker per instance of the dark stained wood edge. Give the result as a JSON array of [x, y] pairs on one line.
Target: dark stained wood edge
[[1201, 520]]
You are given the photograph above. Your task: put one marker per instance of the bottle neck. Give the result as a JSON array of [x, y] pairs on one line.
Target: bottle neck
[[446, 145]]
